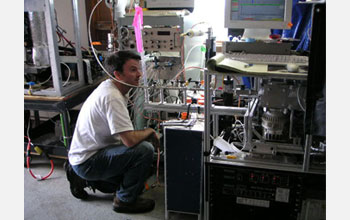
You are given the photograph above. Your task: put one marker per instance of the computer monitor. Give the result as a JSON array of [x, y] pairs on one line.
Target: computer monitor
[[170, 4], [258, 17]]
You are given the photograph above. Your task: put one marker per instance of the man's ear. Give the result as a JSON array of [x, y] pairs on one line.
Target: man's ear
[[117, 74]]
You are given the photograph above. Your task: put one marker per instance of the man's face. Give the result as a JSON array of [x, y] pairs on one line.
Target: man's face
[[131, 72]]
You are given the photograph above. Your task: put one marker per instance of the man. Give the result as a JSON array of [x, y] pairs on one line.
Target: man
[[106, 150]]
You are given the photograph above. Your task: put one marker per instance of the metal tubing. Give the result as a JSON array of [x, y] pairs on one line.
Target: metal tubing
[[258, 135], [215, 110], [146, 94], [75, 5], [215, 125], [291, 123], [207, 105], [307, 149], [161, 95], [246, 115], [165, 177], [53, 48], [251, 109], [280, 147], [178, 88]]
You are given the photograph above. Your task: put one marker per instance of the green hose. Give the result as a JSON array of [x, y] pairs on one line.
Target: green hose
[[63, 133]]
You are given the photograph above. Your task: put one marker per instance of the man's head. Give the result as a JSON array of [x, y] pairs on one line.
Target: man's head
[[125, 66]]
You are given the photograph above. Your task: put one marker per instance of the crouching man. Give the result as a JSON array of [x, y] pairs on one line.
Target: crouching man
[[106, 151]]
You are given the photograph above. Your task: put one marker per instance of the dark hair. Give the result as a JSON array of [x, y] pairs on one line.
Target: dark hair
[[116, 61]]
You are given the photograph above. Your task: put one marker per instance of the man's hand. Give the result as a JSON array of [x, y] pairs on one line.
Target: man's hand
[[154, 139], [131, 138]]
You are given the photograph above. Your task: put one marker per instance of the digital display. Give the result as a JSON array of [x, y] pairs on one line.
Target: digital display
[[258, 14], [163, 33], [257, 10]]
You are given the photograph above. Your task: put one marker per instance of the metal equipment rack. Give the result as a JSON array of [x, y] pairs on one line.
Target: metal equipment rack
[[213, 164], [235, 168], [47, 6]]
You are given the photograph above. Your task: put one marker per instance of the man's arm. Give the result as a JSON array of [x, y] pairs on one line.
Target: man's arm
[[132, 138]]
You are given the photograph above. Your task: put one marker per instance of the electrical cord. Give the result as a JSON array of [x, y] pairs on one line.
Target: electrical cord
[[190, 67], [37, 176], [157, 183], [190, 51], [42, 83], [299, 101], [64, 84], [69, 73], [202, 22]]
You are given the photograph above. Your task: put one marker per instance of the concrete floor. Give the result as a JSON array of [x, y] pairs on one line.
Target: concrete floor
[[51, 199]]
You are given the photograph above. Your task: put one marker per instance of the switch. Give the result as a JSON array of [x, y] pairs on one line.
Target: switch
[[276, 180], [265, 179], [253, 178]]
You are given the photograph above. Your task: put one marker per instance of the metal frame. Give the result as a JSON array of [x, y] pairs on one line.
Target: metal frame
[[248, 113], [218, 110], [208, 113], [48, 7]]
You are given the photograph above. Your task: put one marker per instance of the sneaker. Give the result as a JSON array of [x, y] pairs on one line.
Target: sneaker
[[141, 205], [77, 184]]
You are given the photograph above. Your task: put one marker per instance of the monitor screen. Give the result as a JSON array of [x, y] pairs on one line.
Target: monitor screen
[[178, 4], [258, 14]]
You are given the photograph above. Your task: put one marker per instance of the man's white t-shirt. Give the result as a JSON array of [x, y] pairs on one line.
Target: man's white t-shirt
[[103, 115]]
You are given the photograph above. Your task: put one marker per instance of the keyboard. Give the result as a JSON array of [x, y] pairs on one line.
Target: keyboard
[[185, 123], [271, 59]]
